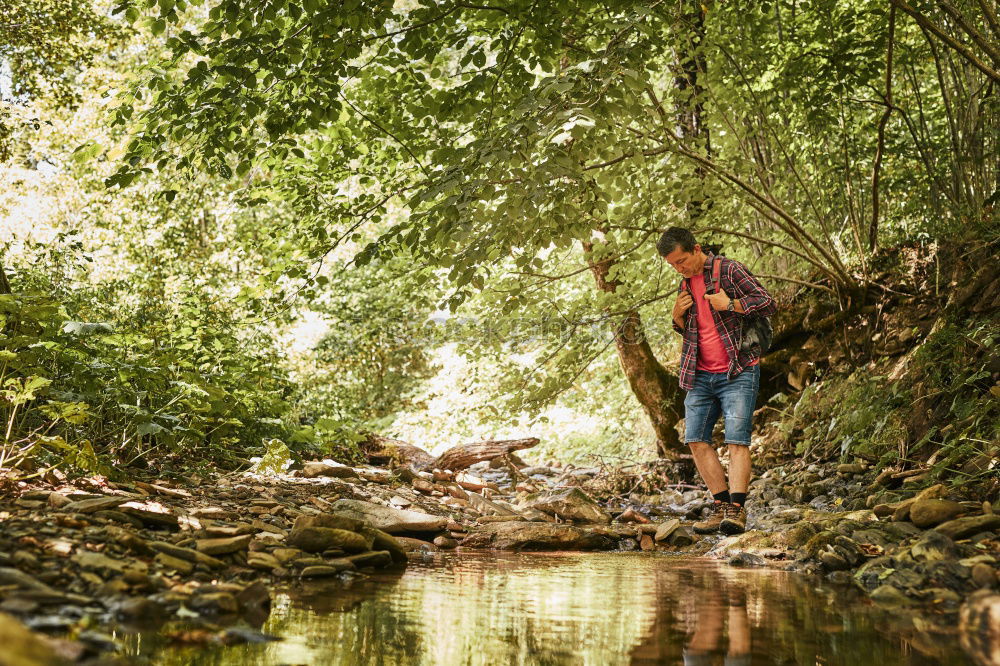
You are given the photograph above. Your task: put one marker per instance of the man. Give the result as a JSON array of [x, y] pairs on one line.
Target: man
[[719, 378]]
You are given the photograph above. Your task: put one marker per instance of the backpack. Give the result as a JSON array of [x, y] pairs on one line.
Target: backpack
[[756, 330]]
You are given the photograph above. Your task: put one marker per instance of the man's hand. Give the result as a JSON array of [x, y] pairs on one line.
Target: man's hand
[[682, 305], [719, 301]]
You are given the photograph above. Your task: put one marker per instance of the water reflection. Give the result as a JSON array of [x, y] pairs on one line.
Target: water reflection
[[573, 608]]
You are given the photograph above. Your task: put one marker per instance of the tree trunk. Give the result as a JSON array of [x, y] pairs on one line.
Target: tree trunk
[[4, 284], [466, 455], [657, 390]]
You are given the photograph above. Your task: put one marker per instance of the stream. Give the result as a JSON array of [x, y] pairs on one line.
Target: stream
[[574, 608]]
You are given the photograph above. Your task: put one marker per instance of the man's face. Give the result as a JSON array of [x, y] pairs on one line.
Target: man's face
[[687, 264]]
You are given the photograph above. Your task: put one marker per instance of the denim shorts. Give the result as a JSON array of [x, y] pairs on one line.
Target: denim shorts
[[714, 395]]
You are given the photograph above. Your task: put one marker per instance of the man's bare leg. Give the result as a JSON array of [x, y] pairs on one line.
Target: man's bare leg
[[709, 466], [739, 468]]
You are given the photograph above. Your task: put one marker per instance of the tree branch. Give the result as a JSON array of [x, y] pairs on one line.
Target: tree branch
[[880, 147], [962, 49]]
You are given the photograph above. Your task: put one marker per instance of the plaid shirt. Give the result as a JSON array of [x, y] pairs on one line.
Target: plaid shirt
[[738, 282]]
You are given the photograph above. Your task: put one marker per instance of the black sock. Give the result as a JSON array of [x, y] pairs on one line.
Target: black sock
[[723, 496], [739, 498]]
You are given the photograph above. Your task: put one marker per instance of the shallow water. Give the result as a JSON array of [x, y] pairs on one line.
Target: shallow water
[[576, 608]]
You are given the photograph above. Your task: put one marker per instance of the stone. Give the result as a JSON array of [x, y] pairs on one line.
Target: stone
[[102, 564], [387, 519], [883, 510], [664, 530], [888, 595], [139, 609], [118, 517], [933, 546], [377, 558], [94, 505], [262, 561], [833, 561], [188, 554], [332, 568], [23, 559], [151, 517], [214, 603], [931, 512], [174, 563], [254, 597], [979, 627], [331, 520], [22, 647], [681, 537], [850, 469], [960, 528], [312, 470], [937, 491], [224, 545], [445, 542], [286, 555], [483, 505], [745, 559], [318, 539], [901, 510], [58, 500], [411, 545], [983, 575], [568, 504], [539, 536]]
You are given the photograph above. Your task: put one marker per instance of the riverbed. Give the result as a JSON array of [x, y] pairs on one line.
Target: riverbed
[[573, 608]]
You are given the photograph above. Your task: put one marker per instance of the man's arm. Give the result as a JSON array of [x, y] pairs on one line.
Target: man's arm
[[753, 298]]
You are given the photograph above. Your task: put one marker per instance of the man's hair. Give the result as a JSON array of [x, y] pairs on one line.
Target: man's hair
[[675, 237]]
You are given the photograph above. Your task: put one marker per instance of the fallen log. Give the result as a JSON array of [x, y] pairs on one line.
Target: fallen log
[[385, 450], [465, 455]]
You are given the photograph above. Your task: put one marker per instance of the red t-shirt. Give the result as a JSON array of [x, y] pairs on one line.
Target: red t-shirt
[[712, 356]]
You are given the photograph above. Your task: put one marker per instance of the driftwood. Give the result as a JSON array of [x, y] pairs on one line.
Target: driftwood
[[465, 455], [384, 450]]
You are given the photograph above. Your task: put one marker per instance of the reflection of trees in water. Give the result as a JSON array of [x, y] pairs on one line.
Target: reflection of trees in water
[[571, 609]]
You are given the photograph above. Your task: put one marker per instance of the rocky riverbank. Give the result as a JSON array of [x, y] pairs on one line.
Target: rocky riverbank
[[197, 561]]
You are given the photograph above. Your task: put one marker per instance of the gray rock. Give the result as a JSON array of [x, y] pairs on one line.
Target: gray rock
[[262, 561], [377, 558], [318, 539], [961, 528], [325, 570], [745, 559], [568, 504], [666, 529], [94, 505], [224, 545], [833, 561], [933, 546], [681, 537], [102, 564], [384, 541], [174, 563], [393, 521], [540, 536], [312, 470], [187, 554]]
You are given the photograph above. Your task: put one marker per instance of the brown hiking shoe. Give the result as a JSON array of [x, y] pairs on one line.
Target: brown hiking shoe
[[734, 521], [711, 524]]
